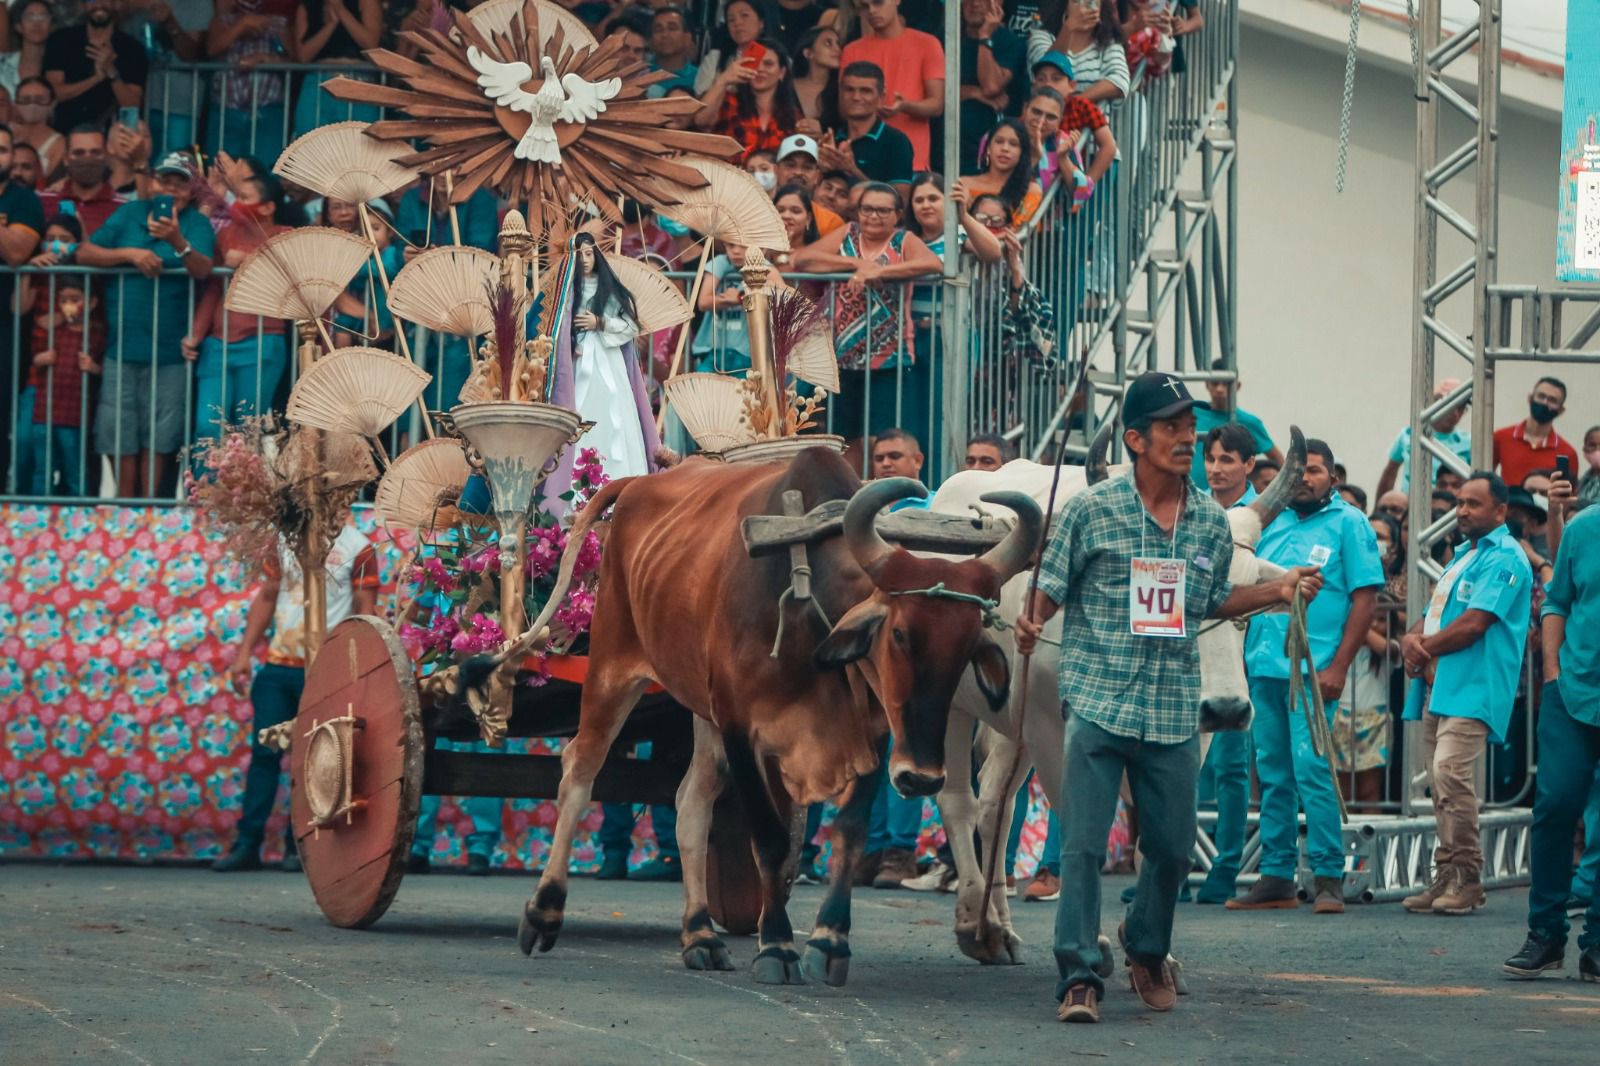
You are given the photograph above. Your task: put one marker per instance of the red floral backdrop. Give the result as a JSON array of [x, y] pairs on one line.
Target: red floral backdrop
[[119, 738]]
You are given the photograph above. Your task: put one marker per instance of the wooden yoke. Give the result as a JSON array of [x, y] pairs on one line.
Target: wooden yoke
[[914, 530]]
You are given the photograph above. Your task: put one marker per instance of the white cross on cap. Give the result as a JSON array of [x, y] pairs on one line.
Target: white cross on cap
[[1177, 389]]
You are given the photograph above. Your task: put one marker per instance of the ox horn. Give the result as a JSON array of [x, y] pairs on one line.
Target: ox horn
[[1012, 555], [1271, 503], [1094, 464], [860, 518]]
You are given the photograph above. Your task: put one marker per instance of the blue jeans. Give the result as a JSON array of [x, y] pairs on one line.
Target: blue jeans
[[483, 810], [259, 132], [1228, 768], [236, 380], [1293, 775], [62, 445], [275, 697], [1050, 856], [1587, 879], [895, 822], [315, 108], [1162, 780], [616, 829], [1569, 753]]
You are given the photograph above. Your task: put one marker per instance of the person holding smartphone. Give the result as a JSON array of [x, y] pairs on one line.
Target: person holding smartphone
[[145, 389], [753, 101]]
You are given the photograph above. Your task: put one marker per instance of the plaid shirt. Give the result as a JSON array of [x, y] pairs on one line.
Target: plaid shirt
[[1147, 688], [752, 133], [1081, 114]]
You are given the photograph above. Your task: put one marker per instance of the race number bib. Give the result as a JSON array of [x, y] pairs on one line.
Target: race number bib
[[1155, 597]]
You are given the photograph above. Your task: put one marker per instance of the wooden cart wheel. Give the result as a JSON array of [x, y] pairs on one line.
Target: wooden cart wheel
[[357, 770], [733, 884]]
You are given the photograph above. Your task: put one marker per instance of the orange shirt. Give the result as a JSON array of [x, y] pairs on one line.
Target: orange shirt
[[908, 62]]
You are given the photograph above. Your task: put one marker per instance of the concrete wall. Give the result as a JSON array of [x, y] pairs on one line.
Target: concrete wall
[[1325, 279]]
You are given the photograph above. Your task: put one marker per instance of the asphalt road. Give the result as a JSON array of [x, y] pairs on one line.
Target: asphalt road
[[117, 964]]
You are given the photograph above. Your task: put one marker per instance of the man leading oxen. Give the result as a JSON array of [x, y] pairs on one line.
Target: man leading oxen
[[795, 711], [1224, 691]]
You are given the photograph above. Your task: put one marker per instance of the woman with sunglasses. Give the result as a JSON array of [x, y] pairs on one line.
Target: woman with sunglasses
[[878, 366]]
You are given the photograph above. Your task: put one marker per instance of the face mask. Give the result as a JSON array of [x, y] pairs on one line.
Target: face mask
[[32, 114], [1310, 506], [247, 213], [100, 19], [1541, 413], [766, 179], [61, 249], [87, 172]]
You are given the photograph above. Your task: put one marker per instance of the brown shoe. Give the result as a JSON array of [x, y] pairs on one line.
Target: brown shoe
[[898, 866], [1081, 1004], [1153, 984], [1422, 902], [1044, 887], [1463, 895], [1267, 894], [1330, 896]]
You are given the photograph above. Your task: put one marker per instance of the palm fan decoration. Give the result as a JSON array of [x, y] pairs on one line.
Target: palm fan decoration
[[342, 162], [356, 390], [572, 142], [421, 486], [712, 407], [444, 289], [729, 206], [297, 274], [802, 343]]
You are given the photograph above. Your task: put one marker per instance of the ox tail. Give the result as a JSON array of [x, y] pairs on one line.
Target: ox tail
[[597, 505]]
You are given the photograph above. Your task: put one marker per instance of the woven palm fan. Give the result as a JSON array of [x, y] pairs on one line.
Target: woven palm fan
[[447, 289], [731, 207], [813, 360], [712, 409], [297, 274], [356, 390], [659, 303], [496, 16], [342, 162], [409, 495]]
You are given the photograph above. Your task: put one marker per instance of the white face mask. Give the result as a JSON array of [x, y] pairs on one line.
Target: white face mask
[[766, 179]]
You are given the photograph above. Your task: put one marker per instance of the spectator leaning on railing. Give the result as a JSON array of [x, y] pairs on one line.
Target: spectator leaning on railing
[[21, 223], [140, 418], [94, 68]]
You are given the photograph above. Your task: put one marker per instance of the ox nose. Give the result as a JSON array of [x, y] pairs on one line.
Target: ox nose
[[915, 783]]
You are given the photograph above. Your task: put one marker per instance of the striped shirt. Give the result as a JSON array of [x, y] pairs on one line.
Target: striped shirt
[[1147, 688]]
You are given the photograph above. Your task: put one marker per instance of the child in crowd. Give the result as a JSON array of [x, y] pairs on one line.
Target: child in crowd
[[68, 355], [723, 341], [1079, 116], [762, 165]]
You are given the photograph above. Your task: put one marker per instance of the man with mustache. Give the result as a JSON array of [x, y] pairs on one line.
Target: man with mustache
[[1317, 528], [94, 67]]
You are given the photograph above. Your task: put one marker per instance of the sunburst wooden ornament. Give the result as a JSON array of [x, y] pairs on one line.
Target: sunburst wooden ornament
[[545, 118]]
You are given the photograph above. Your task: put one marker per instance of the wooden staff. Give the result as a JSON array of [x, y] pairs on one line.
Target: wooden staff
[[399, 330], [315, 556]]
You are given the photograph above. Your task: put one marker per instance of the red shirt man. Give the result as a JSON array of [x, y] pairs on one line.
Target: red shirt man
[[1533, 444], [913, 71], [86, 187]]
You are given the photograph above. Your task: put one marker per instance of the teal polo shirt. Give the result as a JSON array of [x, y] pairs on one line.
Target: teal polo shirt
[[1574, 594], [1337, 538], [1246, 500], [1480, 680], [1458, 441], [1206, 419], [150, 316]]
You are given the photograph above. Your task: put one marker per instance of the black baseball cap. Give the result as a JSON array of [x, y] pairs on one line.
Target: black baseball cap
[[1154, 395]]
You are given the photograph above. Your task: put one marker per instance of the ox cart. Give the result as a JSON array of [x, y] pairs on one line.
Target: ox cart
[[363, 743]]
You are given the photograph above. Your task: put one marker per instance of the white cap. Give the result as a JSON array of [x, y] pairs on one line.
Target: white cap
[[798, 142]]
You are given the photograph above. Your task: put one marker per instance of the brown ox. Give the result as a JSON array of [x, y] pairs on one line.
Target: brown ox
[[682, 603]]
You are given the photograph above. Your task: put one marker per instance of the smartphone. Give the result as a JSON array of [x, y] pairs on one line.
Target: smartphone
[[1564, 467], [129, 117], [752, 55], [160, 207]]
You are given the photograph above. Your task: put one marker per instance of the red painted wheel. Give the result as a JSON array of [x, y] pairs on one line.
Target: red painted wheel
[[733, 884], [357, 771]]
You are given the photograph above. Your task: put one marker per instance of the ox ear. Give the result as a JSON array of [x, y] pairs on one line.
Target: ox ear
[[852, 638], [991, 668]]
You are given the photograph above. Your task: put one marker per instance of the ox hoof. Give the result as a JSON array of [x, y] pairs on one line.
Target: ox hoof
[[827, 962], [778, 966], [1001, 947], [707, 955], [537, 931]]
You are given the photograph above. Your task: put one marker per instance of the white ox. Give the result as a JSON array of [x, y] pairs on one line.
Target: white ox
[[1225, 694]]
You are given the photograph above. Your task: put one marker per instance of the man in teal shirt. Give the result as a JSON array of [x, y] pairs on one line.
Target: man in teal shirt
[[1318, 528], [145, 389], [1222, 411], [1464, 657], [1569, 751]]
